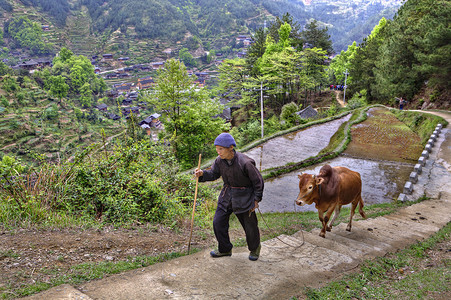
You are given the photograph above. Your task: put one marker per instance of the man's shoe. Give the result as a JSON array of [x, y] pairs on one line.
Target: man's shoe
[[255, 254], [216, 253]]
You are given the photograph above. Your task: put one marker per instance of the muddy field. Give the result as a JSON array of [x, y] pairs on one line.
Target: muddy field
[[30, 256], [383, 137]]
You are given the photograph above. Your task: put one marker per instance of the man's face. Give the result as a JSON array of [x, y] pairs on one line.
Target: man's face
[[225, 153]]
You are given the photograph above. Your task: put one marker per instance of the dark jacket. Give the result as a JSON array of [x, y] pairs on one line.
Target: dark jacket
[[243, 183]]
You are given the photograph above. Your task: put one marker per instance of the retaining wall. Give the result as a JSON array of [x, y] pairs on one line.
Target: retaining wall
[[418, 169]]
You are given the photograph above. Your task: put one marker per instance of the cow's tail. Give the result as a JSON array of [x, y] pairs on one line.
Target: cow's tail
[[362, 213]]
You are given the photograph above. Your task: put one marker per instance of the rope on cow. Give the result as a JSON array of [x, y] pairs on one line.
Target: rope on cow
[[297, 246]]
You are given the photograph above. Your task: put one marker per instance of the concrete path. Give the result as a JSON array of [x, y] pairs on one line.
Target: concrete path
[[283, 270]]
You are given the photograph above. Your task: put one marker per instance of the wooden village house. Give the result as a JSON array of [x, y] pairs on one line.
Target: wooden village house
[[145, 82]]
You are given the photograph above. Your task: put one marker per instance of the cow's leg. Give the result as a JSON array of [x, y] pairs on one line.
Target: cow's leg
[[362, 213], [321, 218], [329, 212], [353, 207], [336, 213]]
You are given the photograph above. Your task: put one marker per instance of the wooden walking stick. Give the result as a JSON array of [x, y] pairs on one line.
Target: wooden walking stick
[[194, 207]]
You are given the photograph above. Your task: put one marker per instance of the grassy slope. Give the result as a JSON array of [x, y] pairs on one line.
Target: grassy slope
[[25, 130]]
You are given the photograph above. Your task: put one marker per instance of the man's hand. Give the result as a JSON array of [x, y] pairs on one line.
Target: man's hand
[[255, 207], [198, 173]]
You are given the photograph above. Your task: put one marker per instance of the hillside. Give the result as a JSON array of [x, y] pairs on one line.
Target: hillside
[[41, 130], [157, 29]]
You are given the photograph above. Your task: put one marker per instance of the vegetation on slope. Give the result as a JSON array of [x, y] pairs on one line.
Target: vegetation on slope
[[403, 56], [154, 25]]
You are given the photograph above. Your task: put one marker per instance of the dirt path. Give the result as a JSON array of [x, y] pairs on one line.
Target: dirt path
[[339, 100], [7, 146], [284, 270]]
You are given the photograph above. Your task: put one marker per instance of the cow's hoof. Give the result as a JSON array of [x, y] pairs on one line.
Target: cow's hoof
[[348, 228], [329, 228], [323, 235]]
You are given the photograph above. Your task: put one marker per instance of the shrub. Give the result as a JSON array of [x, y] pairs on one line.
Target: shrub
[[435, 94], [333, 110], [130, 184], [13, 124], [51, 113], [288, 112], [9, 84], [358, 100], [3, 101], [247, 132]]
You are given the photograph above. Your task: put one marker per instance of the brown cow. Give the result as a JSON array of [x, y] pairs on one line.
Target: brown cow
[[331, 189]]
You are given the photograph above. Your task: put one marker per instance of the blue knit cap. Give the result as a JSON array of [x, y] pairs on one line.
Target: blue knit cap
[[225, 140]]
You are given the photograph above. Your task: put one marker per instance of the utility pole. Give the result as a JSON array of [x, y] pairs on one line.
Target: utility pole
[[261, 92], [261, 104], [344, 91]]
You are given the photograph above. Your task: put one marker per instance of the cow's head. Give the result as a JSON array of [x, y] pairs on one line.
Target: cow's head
[[308, 189]]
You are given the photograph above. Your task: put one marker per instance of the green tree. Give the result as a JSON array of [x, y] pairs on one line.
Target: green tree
[[211, 56], [312, 74], [232, 76], [4, 69], [79, 70], [256, 51], [432, 35], [188, 113], [363, 63], [58, 87], [403, 55], [60, 68], [43, 78], [86, 95], [63, 56], [342, 62], [187, 58], [279, 66], [77, 77], [27, 34], [314, 36], [296, 36], [288, 112]]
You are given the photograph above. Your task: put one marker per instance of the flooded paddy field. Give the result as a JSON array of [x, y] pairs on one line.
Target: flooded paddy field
[[382, 181], [295, 146], [383, 150]]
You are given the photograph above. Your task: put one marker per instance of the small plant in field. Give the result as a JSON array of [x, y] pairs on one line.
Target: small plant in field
[[8, 253]]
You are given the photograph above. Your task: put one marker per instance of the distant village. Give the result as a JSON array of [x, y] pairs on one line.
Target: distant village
[[129, 91]]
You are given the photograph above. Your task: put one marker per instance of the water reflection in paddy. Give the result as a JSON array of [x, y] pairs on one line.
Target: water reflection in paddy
[[296, 146], [382, 181]]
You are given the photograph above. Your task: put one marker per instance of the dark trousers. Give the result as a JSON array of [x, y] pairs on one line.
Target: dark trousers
[[221, 228]]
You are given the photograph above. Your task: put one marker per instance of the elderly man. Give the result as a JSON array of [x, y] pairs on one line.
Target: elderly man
[[241, 193]]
